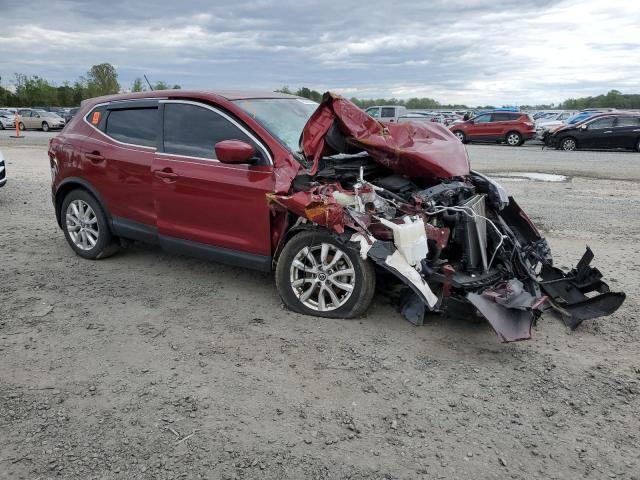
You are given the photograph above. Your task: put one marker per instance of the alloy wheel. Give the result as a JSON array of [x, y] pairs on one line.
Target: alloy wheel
[[513, 139], [82, 225], [322, 277], [568, 144], [45, 127], [460, 136]]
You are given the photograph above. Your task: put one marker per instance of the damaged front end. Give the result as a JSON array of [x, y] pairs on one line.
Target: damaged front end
[[404, 196]]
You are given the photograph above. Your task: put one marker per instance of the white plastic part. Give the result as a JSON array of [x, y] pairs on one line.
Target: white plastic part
[[410, 238], [344, 199], [399, 263]]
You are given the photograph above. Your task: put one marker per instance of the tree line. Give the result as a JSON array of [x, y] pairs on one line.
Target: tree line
[[613, 99], [100, 80]]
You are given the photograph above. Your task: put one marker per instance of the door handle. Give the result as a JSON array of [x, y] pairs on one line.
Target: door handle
[[166, 174], [608, 131], [94, 157]]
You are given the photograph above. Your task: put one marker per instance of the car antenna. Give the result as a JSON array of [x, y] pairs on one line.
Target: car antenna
[[148, 82]]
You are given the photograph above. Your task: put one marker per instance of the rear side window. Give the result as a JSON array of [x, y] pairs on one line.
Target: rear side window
[[138, 126], [388, 112], [193, 131], [505, 117], [628, 122]]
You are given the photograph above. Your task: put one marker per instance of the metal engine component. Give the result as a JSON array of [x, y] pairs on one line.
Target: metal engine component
[[475, 233]]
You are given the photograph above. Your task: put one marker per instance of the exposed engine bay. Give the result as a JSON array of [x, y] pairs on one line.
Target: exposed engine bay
[[458, 242]]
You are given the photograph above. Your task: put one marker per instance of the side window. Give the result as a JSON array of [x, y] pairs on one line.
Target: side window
[[388, 112], [606, 122], [193, 131], [373, 112], [483, 118], [628, 122], [138, 126]]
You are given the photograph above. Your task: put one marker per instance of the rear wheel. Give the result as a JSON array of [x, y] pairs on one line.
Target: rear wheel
[[45, 127], [460, 135], [21, 126], [568, 144], [513, 139], [85, 226], [318, 275], [638, 145]]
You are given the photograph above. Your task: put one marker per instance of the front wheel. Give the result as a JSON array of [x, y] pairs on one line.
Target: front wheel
[[318, 275], [514, 139], [21, 126], [638, 145], [460, 136], [568, 144], [45, 127]]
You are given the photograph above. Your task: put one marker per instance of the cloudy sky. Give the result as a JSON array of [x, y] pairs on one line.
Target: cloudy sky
[[467, 51]]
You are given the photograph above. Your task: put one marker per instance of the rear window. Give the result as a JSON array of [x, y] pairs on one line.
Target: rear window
[[138, 126], [628, 122]]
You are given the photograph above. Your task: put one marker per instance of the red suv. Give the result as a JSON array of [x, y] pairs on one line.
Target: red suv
[[322, 193], [513, 128]]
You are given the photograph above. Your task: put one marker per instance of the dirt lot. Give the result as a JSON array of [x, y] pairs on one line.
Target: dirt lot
[[147, 365]]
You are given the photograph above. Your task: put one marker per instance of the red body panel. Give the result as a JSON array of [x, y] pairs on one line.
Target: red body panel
[[213, 203], [423, 149]]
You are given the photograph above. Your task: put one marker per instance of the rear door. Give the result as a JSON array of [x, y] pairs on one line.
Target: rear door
[[501, 123], [205, 207], [117, 161], [388, 114], [626, 132], [598, 134]]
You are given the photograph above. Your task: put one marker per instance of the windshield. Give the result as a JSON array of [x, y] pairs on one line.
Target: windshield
[[284, 118]]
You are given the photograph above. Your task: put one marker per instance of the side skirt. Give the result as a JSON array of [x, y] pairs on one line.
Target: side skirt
[[145, 233]]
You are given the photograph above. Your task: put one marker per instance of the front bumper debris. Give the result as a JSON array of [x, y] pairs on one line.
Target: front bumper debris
[[580, 294]]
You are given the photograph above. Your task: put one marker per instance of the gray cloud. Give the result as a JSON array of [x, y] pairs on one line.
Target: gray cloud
[[471, 51]]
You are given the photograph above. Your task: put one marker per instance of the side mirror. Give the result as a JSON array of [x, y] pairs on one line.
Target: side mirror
[[234, 151], [583, 127], [37, 116]]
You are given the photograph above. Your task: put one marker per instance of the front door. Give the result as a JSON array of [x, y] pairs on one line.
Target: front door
[[205, 207], [481, 128], [598, 134]]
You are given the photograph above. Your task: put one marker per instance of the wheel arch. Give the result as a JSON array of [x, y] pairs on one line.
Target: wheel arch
[[73, 183]]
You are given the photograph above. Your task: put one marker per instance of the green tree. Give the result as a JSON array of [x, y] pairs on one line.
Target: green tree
[[138, 86], [102, 79]]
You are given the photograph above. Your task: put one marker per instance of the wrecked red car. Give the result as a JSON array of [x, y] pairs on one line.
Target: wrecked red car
[[329, 197]]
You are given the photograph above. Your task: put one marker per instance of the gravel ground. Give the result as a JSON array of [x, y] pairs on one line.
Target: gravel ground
[[147, 365]]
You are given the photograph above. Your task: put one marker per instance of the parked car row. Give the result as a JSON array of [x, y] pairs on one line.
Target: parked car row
[[45, 118]]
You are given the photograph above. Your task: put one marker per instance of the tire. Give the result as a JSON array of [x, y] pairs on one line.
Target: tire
[[513, 139], [85, 226], [319, 284], [45, 127], [461, 136], [638, 145], [1, 126], [568, 144], [21, 126]]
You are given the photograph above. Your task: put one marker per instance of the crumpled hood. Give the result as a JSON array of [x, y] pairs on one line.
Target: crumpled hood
[[420, 149]]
